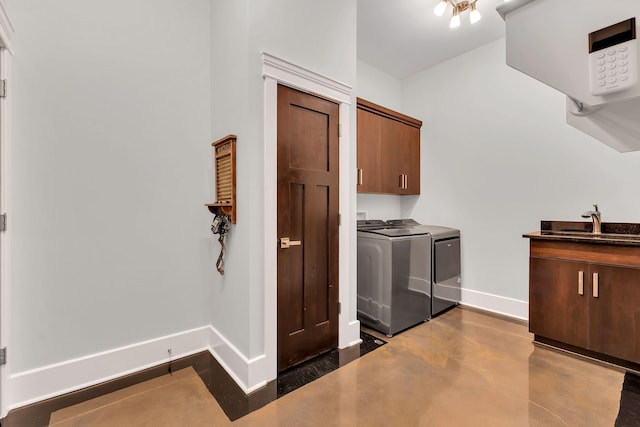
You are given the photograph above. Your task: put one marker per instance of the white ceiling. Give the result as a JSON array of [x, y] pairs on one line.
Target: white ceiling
[[403, 37]]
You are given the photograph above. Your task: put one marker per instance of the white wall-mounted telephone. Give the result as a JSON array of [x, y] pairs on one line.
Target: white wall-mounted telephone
[[613, 58]]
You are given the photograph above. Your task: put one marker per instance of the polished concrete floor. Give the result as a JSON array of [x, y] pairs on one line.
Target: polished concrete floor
[[463, 368]]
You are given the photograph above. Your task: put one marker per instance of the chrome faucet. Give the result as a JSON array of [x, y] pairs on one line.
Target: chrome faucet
[[595, 217]]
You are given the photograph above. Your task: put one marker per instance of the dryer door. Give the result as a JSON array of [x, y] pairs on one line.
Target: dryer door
[[446, 266], [447, 259]]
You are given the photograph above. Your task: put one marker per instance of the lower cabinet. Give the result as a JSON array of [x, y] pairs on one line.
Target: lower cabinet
[[591, 305], [614, 313], [557, 309]]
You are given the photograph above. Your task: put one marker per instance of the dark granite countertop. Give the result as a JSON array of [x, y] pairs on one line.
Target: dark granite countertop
[[613, 233]]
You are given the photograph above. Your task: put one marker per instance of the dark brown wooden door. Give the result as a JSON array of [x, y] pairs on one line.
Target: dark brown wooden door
[[369, 134], [307, 213], [556, 309], [614, 315]]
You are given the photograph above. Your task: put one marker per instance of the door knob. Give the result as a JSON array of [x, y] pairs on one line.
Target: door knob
[[285, 243]]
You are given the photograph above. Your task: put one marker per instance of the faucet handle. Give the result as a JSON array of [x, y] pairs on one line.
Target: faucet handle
[[596, 207]]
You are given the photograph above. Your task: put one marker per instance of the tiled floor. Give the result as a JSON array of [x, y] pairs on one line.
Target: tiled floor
[[463, 368], [302, 374]]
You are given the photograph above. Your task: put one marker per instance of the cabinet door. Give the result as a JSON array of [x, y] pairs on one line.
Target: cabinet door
[[369, 135], [413, 171], [557, 309], [614, 314], [400, 158]]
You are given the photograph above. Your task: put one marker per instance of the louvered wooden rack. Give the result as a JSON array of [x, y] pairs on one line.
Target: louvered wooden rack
[[225, 163]]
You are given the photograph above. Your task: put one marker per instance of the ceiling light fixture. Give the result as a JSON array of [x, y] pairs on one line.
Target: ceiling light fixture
[[458, 7]]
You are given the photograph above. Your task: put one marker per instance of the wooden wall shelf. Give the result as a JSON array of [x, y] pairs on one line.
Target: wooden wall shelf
[[225, 164], [226, 209]]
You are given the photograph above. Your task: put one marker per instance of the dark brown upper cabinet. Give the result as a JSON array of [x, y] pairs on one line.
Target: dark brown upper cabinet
[[388, 151]]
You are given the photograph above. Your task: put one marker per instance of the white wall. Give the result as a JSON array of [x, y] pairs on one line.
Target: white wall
[[231, 113], [379, 87], [383, 89], [115, 108], [498, 157], [110, 151], [317, 36], [321, 37]]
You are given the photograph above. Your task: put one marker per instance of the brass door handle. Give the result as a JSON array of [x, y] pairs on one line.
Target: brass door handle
[[285, 243]]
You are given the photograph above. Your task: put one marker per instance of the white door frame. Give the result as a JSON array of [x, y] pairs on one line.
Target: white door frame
[[275, 71], [6, 33]]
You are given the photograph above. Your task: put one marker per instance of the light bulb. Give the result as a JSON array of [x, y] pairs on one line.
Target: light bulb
[[455, 21], [474, 15], [440, 8]]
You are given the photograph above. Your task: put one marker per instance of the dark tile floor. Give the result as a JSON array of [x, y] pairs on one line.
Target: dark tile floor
[[629, 412], [236, 404], [302, 374]]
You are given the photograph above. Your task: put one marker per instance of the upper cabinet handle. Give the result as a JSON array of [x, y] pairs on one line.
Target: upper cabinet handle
[[360, 176], [404, 182]]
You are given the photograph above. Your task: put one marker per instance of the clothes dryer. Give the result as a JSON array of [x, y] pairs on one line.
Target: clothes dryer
[[446, 281]]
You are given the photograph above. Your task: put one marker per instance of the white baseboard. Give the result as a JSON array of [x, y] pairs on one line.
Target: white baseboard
[[349, 335], [24, 388], [245, 372], [35, 385], [495, 303], [32, 386]]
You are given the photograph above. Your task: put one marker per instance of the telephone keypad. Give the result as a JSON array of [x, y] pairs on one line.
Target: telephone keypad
[[614, 69]]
